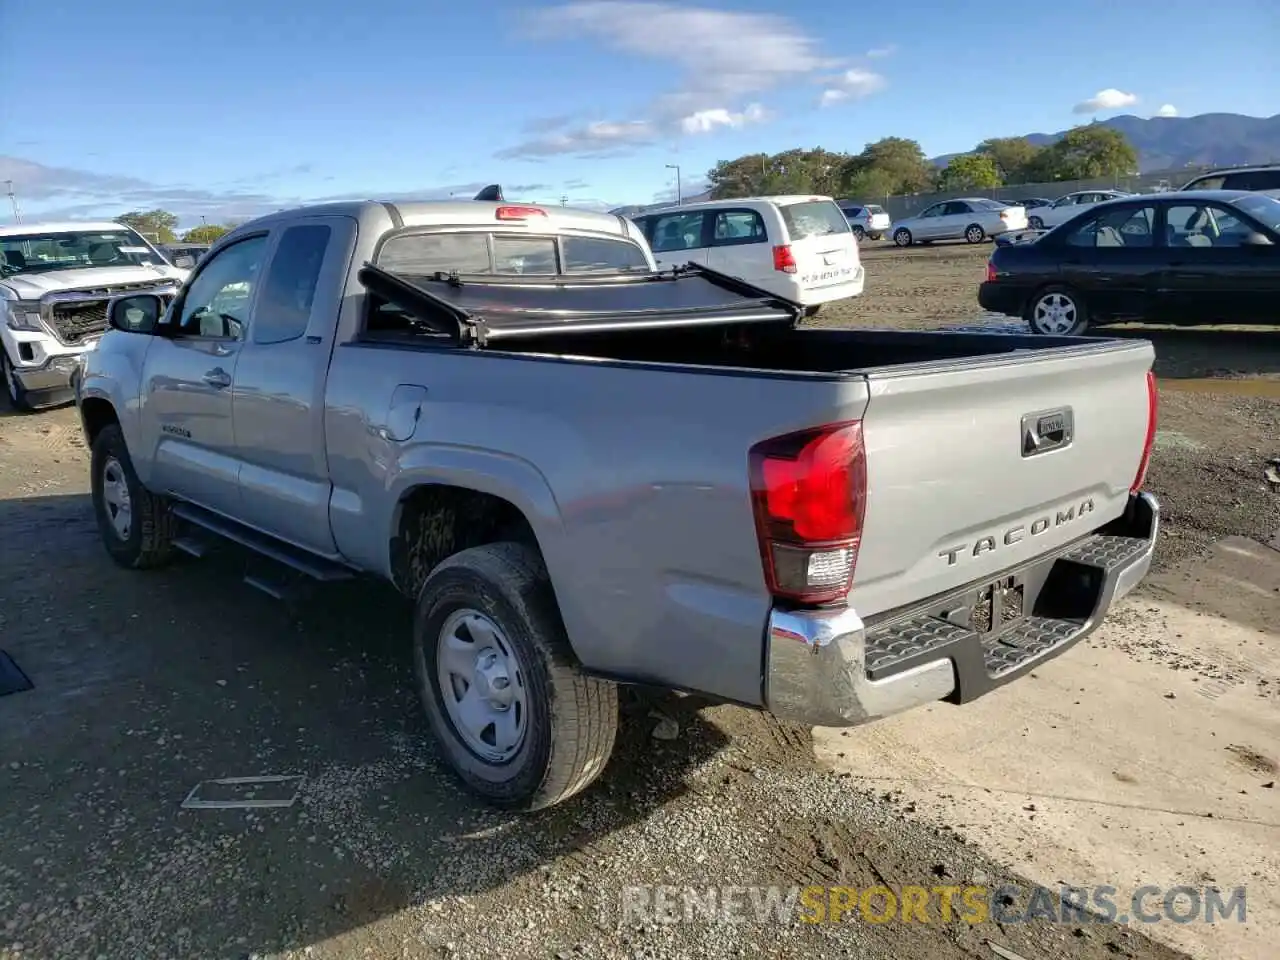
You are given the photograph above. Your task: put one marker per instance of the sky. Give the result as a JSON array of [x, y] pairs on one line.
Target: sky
[[235, 108]]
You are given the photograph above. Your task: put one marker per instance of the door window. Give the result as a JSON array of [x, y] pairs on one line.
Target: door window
[[956, 208], [736, 227], [289, 288], [1064, 201], [217, 301], [1126, 227], [934, 211], [677, 231], [1203, 225]]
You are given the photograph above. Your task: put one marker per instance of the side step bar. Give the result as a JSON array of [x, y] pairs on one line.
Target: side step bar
[[296, 559]]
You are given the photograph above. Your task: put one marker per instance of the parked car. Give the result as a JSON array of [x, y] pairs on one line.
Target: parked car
[[1030, 203], [1264, 179], [798, 247], [617, 477], [55, 280], [1064, 208], [190, 253], [1207, 256], [866, 220], [973, 219]]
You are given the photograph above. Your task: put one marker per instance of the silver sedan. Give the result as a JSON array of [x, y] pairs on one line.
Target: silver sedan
[[972, 218]]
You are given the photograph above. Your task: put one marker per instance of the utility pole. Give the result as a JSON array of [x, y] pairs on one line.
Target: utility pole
[[679, 191], [564, 200], [13, 201]]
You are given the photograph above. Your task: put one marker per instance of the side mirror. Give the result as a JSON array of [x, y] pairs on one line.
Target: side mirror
[[1255, 239], [135, 313], [184, 262]]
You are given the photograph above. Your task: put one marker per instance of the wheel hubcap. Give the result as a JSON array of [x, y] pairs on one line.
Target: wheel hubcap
[[1055, 313], [115, 498], [482, 685], [975, 235], [901, 238]]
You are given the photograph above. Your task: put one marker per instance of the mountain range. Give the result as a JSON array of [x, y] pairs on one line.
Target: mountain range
[[1209, 139]]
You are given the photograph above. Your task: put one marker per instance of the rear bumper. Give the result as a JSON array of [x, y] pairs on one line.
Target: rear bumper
[[1000, 298], [828, 668], [811, 296]]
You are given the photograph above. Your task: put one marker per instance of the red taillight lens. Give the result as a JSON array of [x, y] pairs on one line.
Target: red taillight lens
[[809, 491], [518, 213], [784, 260], [991, 271], [1149, 442]]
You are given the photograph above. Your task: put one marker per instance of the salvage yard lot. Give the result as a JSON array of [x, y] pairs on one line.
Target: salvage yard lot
[[1142, 756]]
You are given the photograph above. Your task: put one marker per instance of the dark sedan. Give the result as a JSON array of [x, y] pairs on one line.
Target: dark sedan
[[1209, 256]]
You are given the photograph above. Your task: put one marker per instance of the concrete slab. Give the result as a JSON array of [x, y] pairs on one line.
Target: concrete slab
[[1148, 755]]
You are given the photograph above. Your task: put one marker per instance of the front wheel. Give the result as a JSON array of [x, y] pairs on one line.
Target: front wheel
[[13, 389], [136, 525], [902, 237], [1057, 311], [1035, 223], [974, 233], [515, 717]]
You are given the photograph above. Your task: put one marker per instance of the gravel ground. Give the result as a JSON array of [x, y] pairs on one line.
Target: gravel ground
[[150, 683]]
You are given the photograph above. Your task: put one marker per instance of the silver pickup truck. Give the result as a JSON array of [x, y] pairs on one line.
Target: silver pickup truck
[[587, 473]]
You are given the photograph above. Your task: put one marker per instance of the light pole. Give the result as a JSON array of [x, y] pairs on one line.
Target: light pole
[[13, 200], [679, 193]]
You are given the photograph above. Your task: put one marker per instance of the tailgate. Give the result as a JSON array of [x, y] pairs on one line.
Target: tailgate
[[956, 491]]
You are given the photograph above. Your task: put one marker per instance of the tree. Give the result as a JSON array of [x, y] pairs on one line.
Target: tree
[[157, 225], [893, 163], [1014, 157], [969, 171], [792, 171], [1087, 153], [205, 233]]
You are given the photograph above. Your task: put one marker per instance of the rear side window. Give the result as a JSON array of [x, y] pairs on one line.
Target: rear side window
[[813, 218], [853, 212], [736, 227], [589, 255], [427, 253], [1255, 180], [679, 231], [289, 289]]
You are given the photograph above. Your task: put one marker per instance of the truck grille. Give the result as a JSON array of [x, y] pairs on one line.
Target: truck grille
[[74, 321]]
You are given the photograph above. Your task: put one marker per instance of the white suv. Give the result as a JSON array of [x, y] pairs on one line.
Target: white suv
[[800, 248], [867, 220]]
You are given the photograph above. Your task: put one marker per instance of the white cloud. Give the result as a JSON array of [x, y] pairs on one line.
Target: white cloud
[[1168, 110], [854, 84], [704, 121], [1108, 99], [723, 60], [879, 53]]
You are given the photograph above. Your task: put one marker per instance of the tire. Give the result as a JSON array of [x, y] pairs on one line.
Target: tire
[[13, 390], [1057, 311], [902, 237], [563, 722], [145, 539], [1035, 223], [974, 233], [812, 311], [877, 236], [858, 233]]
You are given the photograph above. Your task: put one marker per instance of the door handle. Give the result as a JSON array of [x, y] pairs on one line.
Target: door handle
[[217, 377]]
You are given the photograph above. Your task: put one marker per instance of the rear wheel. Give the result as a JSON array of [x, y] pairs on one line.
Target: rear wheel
[[14, 391], [974, 233], [515, 717], [902, 237], [1057, 311], [1035, 223], [811, 311]]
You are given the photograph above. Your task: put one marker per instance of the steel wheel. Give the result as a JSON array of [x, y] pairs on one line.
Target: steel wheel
[[1056, 312], [482, 685], [902, 237], [115, 498], [974, 233]]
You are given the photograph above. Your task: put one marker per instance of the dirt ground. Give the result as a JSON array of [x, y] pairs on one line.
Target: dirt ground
[[146, 684]]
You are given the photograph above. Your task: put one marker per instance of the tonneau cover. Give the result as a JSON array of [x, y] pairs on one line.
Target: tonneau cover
[[490, 307]]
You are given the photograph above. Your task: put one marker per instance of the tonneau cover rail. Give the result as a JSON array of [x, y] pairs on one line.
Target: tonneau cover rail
[[484, 307]]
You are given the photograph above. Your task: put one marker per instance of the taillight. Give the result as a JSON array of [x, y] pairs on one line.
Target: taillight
[[991, 271], [783, 259], [1149, 442], [518, 213], [809, 490]]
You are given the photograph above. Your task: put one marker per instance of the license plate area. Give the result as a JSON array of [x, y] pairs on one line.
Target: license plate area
[[998, 606]]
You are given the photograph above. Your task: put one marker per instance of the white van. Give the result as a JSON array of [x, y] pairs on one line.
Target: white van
[[800, 248]]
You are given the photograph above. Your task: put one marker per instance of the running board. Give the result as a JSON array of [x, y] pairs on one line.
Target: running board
[[303, 561]]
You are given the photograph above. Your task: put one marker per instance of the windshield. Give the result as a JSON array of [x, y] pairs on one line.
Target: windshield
[[46, 252], [814, 218], [1262, 208]]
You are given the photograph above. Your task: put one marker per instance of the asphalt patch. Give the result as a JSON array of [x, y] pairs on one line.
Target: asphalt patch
[[12, 679]]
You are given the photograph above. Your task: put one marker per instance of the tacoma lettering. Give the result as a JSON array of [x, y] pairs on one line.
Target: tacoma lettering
[[1013, 535]]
